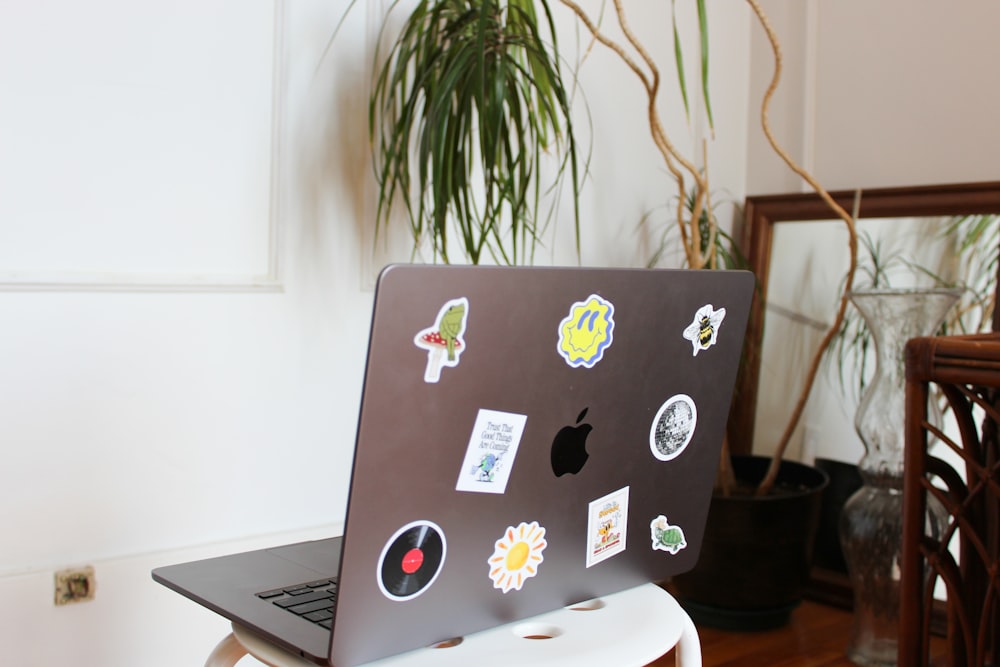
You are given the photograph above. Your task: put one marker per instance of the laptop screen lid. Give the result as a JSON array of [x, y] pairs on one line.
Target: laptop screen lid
[[530, 438]]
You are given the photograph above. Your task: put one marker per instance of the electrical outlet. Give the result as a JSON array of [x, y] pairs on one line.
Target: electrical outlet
[[75, 585]]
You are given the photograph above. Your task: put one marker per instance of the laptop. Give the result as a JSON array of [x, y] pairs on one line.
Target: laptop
[[528, 438]]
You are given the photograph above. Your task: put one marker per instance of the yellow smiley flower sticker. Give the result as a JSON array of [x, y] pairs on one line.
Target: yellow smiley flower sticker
[[586, 332]]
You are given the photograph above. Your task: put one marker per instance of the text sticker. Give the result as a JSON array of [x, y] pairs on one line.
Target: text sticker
[[586, 332], [443, 341], [704, 330], [607, 526], [516, 556], [673, 426], [489, 456]]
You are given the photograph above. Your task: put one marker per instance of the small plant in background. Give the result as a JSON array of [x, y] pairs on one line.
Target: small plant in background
[[722, 251], [977, 239]]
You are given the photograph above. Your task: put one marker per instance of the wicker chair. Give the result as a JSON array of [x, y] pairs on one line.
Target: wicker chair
[[967, 371]]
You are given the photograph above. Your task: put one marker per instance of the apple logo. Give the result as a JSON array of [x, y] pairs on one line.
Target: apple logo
[[569, 448]]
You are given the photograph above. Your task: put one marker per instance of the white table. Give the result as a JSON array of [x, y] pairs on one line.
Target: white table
[[628, 629]]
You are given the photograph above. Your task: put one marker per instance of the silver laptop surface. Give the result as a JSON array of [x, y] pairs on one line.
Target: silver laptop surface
[[528, 438]]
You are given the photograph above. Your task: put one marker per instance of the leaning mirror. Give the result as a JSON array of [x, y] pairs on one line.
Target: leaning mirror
[[799, 253]]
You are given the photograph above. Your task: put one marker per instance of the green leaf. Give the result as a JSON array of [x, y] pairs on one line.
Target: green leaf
[[465, 105], [679, 59], [703, 32]]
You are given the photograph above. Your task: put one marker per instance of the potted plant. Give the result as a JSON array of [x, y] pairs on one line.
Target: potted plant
[[467, 98], [469, 102]]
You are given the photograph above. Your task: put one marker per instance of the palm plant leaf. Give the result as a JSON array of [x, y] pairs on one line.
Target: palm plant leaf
[[467, 102]]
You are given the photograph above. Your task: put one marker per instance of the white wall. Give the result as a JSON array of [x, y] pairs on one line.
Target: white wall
[[874, 94], [185, 286], [879, 94]]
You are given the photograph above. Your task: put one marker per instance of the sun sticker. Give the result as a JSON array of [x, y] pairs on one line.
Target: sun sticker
[[586, 332], [443, 341], [516, 556], [666, 537], [704, 329]]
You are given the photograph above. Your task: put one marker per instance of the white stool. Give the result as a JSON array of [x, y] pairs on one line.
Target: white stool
[[628, 629]]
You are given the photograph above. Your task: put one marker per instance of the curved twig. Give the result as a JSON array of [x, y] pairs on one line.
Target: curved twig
[[690, 238], [772, 473]]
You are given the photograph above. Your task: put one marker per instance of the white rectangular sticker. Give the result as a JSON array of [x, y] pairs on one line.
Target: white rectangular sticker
[[490, 454], [607, 525]]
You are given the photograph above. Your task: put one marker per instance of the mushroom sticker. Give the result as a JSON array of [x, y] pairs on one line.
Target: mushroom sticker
[[586, 332], [443, 341], [666, 537], [704, 329]]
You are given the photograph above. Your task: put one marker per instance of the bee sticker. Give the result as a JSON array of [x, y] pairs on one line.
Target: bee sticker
[[443, 341], [607, 526], [704, 330], [516, 556], [666, 537], [673, 427]]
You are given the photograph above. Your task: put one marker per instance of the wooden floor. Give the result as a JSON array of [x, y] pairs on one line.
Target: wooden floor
[[816, 637]]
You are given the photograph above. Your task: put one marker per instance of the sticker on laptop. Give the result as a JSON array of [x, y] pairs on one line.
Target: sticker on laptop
[[516, 556], [607, 526], [586, 332], [704, 329], [666, 537], [489, 456], [411, 560], [443, 341], [673, 426]]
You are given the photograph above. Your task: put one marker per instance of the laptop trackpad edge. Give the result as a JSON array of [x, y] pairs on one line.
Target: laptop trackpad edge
[[322, 556]]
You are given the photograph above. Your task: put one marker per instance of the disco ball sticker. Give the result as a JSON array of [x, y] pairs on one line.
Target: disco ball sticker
[[411, 560], [673, 427]]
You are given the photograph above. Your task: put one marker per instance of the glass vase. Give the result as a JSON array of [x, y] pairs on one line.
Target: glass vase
[[871, 521]]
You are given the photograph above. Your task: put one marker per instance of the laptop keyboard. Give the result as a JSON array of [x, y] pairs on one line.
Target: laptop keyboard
[[312, 601]]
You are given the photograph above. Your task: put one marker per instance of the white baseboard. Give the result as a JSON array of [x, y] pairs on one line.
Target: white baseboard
[[131, 621]]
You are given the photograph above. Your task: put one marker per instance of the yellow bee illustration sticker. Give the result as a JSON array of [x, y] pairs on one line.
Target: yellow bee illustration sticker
[[586, 332], [704, 330], [517, 555], [443, 341]]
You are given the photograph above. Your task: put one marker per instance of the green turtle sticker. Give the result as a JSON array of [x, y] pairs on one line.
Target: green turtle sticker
[[666, 537]]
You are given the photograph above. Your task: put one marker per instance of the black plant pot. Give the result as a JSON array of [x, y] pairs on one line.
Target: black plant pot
[[756, 553]]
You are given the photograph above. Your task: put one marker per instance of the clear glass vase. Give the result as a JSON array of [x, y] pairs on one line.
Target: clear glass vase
[[871, 521]]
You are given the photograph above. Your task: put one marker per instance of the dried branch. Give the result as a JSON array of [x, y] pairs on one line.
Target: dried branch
[[767, 484]]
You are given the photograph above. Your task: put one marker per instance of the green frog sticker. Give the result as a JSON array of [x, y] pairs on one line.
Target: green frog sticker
[[443, 341]]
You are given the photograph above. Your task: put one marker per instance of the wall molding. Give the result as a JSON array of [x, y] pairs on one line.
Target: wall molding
[[269, 279]]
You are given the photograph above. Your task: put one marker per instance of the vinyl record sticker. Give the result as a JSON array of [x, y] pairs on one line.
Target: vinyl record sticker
[[411, 560]]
